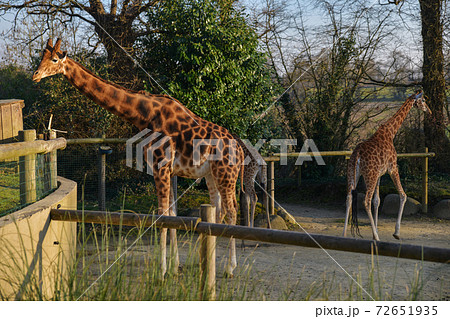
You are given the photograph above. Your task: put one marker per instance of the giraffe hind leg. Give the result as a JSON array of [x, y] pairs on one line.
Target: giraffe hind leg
[[396, 179], [371, 184], [353, 175], [376, 203]]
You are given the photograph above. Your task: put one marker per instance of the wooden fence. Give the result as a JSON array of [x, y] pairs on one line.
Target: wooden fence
[[425, 156], [276, 157], [26, 151], [211, 230]]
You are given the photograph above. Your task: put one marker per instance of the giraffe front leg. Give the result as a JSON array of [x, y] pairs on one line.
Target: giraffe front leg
[[173, 234], [162, 182], [229, 204], [396, 179]]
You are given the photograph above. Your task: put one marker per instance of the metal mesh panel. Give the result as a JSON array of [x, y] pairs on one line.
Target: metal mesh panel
[[25, 181]]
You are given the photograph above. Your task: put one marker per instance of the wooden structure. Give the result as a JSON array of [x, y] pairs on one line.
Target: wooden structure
[[11, 121], [26, 151]]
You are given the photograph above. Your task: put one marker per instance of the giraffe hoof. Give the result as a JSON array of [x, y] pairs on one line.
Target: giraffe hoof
[[396, 236], [227, 275]]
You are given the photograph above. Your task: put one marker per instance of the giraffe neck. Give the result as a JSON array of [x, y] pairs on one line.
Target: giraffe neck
[[392, 126], [116, 99]]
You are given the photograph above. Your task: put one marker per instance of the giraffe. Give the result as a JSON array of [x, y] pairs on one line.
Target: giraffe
[[255, 167], [219, 163], [372, 159]]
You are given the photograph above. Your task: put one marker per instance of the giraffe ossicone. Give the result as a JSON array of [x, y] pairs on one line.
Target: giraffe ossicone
[[168, 117]]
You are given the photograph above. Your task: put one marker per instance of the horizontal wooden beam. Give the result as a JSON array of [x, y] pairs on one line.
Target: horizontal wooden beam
[[12, 150], [125, 219], [346, 153], [100, 140], [364, 246]]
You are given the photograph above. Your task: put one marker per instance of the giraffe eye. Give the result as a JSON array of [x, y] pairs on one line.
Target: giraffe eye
[[54, 60]]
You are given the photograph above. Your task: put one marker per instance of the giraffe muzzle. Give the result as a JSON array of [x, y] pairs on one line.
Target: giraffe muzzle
[[37, 77]]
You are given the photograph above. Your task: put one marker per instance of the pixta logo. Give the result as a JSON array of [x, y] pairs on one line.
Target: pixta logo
[[157, 147]]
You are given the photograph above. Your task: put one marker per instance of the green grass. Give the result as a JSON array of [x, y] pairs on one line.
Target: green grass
[[9, 188]]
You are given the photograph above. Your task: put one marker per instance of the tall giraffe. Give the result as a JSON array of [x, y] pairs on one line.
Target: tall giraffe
[[219, 162], [255, 168], [372, 159]]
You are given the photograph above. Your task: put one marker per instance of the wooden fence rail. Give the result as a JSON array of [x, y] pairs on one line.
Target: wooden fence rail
[[363, 246], [276, 157], [13, 150]]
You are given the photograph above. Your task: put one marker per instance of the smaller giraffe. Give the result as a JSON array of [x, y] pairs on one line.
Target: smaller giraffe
[[372, 159], [255, 167]]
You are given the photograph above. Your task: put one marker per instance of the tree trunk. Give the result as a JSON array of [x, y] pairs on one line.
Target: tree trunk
[[434, 82], [118, 42]]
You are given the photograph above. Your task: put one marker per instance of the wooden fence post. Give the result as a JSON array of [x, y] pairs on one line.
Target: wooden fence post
[[425, 183], [27, 169], [272, 187], [208, 256]]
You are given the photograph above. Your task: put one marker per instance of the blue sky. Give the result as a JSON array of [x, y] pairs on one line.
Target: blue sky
[[313, 17]]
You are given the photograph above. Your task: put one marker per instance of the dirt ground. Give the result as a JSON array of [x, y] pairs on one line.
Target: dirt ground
[[289, 272]]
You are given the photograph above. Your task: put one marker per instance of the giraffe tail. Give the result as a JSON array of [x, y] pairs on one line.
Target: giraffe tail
[[354, 219], [354, 227], [242, 172]]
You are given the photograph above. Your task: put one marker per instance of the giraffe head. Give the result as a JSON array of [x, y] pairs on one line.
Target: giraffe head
[[52, 62], [419, 102]]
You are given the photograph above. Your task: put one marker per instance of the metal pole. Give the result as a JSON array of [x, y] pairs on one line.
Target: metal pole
[[272, 187], [101, 180], [425, 183], [53, 164], [102, 152]]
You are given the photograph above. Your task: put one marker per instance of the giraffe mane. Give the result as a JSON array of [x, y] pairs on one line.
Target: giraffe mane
[[121, 87]]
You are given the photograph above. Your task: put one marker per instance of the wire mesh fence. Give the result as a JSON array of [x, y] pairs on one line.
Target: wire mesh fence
[[82, 164], [25, 180], [123, 187]]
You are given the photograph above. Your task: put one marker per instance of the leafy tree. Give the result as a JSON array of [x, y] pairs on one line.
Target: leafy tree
[[207, 56], [15, 83], [116, 24], [72, 111]]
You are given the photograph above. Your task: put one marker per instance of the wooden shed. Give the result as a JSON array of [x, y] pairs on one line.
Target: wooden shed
[[11, 120]]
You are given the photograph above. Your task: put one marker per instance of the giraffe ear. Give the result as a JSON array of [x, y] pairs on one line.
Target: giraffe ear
[[64, 56]]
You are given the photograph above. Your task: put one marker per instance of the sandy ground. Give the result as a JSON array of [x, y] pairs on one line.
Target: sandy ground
[[289, 272]]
